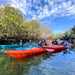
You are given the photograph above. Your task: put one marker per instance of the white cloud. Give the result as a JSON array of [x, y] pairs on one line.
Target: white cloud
[[72, 9], [13, 5], [34, 17], [14, 1], [51, 8], [36, 7], [23, 11], [51, 3], [66, 4]]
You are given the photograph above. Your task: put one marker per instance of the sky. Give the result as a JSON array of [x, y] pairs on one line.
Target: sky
[[56, 14]]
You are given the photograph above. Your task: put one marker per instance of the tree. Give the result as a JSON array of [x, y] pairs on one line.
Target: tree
[[11, 20], [46, 32], [73, 29], [13, 24], [34, 31]]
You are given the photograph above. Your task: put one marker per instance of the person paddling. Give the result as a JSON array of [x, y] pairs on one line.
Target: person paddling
[[71, 41]]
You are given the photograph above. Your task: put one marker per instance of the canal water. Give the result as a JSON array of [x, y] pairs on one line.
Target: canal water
[[58, 63]]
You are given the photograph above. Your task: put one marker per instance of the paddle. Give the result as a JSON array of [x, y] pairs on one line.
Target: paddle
[[50, 50]]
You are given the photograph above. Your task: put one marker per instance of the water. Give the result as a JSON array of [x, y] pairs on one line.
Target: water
[[59, 63]]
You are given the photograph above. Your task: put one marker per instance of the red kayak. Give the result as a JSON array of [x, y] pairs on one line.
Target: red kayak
[[72, 45], [23, 53], [55, 47]]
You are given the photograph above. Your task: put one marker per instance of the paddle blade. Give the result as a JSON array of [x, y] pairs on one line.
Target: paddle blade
[[50, 50]]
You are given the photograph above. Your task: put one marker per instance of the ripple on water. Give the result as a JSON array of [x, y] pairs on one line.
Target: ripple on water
[[58, 65], [62, 63]]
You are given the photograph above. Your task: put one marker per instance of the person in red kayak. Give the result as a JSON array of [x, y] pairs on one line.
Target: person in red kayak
[[44, 43], [71, 41], [64, 43], [49, 42], [55, 42]]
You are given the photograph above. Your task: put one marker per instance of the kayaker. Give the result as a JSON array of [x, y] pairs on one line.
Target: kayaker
[[39, 43], [71, 41], [49, 41], [21, 42], [44, 43], [30, 41], [64, 42], [55, 42]]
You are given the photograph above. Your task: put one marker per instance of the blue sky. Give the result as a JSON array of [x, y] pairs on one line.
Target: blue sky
[[56, 14]]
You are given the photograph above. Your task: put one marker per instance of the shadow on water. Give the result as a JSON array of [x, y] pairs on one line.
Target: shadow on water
[[66, 52]]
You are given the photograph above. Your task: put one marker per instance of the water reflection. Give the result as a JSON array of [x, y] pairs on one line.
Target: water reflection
[[56, 63], [24, 64], [66, 52]]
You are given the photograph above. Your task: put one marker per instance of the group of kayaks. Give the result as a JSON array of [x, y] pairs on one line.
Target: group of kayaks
[[22, 52]]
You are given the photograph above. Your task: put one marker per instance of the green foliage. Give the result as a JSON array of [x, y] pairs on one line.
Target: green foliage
[[11, 19], [13, 24], [60, 35], [46, 32], [73, 29], [68, 34]]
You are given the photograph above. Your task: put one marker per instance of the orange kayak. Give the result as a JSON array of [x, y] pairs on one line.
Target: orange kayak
[[23, 53]]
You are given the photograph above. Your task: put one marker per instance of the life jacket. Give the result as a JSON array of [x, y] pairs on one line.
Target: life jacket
[[65, 43], [50, 42], [20, 42]]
